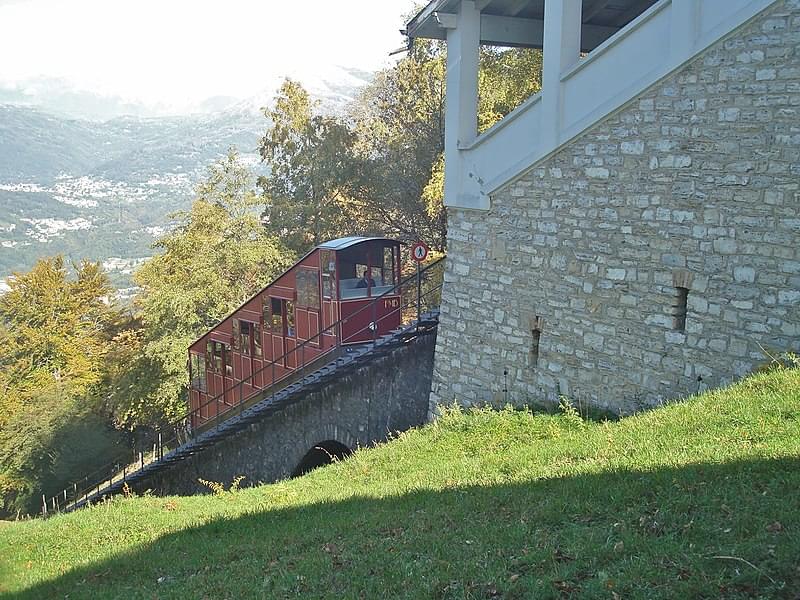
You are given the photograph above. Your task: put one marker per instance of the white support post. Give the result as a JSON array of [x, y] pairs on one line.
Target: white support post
[[562, 47], [461, 104], [683, 35]]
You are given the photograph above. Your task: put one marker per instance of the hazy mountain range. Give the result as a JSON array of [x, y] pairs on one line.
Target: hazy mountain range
[[101, 188]]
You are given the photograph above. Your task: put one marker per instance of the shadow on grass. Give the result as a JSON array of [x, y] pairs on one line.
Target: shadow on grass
[[708, 530]]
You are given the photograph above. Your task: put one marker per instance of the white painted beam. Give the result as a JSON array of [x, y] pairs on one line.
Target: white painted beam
[[529, 33], [562, 36], [685, 16], [461, 103], [512, 31]]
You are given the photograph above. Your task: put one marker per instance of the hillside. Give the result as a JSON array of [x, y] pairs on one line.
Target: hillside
[[696, 499]]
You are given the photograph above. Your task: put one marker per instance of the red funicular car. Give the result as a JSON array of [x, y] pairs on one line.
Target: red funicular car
[[323, 300]]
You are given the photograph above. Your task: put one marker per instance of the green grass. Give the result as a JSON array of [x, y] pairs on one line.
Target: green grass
[[697, 499]]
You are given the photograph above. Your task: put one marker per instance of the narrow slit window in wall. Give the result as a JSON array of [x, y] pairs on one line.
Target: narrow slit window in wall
[[536, 334], [679, 309]]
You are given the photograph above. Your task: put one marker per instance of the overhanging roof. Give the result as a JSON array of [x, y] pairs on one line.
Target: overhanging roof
[[520, 23], [346, 242]]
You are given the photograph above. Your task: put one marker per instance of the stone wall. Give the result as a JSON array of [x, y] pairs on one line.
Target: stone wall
[[389, 394], [694, 184]]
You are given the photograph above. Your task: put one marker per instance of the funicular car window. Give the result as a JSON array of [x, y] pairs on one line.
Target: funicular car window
[[276, 318], [227, 359], [219, 359], [245, 337], [266, 312], [328, 262], [374, 273], [308, 288], [216, 356], [388, 266], [209, 357], [257, 351], [290, 330], [236, 326], [197, 366]]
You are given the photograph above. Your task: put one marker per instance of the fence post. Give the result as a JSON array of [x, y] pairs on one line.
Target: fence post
[[160, 447], [44, 506], [419, 295]]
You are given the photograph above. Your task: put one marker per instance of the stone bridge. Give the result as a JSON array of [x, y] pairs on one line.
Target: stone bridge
[[385, 392]]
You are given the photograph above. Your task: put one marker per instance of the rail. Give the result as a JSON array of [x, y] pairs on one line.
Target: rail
[[418, 295]]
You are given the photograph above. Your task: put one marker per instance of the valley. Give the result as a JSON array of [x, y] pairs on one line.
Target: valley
[[77, 183]]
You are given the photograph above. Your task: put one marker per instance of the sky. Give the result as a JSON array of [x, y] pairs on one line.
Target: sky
[[180, 52]]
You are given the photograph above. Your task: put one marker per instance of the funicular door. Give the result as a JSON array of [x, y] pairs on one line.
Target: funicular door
[[257, 361], [312, 327], [197, 387], [247, 374], [274, 309], [240, 358], [290, 334], [307, 314], [213, 381], [219, 357], [279, 351], [329, 311], [246, 335], [329, 316], [229, 390]]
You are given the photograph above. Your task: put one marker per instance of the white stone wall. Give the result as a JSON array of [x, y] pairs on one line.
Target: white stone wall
[[696, 184]]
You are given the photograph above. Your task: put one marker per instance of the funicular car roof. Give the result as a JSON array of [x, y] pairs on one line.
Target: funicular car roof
[[347, 242]]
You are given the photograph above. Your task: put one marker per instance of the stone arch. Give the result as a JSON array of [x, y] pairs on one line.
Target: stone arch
[[323, 453]]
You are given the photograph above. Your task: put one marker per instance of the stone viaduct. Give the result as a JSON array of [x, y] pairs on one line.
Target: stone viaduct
[[385, 394]]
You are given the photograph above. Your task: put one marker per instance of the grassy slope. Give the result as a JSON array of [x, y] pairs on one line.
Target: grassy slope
[[700, 499]]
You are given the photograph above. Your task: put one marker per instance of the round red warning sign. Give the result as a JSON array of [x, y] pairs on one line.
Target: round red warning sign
[[419, 251]]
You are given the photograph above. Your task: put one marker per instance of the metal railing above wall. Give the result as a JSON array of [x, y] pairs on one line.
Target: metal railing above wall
[[418, 295]]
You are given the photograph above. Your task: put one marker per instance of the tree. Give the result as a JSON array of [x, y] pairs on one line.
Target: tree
[[55, 331], [217, 255], [507, 77], [311, 166], [400, 124], [50, 443]]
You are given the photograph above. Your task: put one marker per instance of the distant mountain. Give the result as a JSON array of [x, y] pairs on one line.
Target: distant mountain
[[332, 85], [59, 97], [103, 190], [36, 145], [101, 184]]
